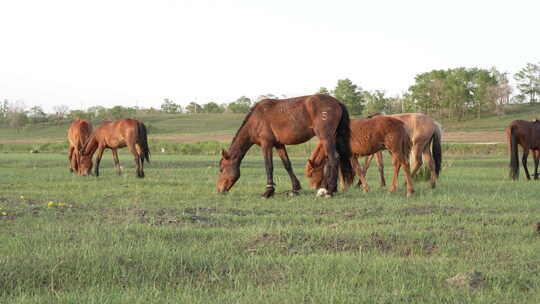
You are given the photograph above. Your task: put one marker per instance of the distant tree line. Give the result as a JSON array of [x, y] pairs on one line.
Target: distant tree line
[[457, 93]]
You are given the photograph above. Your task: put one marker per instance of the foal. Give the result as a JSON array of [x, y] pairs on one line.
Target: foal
[[369, 136]]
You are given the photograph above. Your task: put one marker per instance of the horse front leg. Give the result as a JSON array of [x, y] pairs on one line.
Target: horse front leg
[[99, 155], [287, 164], [524, 161], [269, 165], [360, 173], [71, 160]]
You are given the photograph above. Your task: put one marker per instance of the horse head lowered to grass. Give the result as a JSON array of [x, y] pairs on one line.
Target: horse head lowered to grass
[[117, 134], [275, 123]]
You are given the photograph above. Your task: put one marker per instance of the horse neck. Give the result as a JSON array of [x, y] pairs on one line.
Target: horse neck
[[91, 146], [240, 144]]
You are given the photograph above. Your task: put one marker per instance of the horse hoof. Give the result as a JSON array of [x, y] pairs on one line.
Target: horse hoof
[[322, 192], [293, 193], [268, 193]]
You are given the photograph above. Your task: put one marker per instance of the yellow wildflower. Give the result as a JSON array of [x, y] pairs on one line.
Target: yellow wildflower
[[22, 196], [4, 213], [51, 204]]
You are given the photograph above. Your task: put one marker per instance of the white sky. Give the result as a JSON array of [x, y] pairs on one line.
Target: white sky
[[116, 52]]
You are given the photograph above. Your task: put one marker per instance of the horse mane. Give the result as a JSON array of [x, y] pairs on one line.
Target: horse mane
[[248, 116], [243, 123]]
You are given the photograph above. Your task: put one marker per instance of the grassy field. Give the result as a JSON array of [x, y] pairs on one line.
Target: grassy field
[[161, 125], [170, 239]]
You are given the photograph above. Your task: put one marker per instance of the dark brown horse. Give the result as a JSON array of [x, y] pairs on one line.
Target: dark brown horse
[[274, 123], [369, 136], [527, 135], [78, 134], [128, 133]]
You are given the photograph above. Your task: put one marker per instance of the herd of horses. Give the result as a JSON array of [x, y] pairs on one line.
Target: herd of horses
[[275, 123]]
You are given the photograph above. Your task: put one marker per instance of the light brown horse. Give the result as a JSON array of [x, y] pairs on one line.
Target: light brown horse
[[527, 135], [78, 134], [424, 132], [275, 123], [128, 133], [369, 136]]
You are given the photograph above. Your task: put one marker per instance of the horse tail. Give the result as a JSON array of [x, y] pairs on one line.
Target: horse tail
[[343, 146], [142, 140], [514, 163], [436, 150], [405, 145]]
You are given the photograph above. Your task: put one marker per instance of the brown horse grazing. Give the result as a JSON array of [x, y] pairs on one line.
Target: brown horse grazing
[[527, 135], [274, 123], [78, 134], [424, 132], [128, 133], [369, 136]]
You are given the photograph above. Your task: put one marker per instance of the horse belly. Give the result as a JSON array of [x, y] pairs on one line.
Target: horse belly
[[295, 138]]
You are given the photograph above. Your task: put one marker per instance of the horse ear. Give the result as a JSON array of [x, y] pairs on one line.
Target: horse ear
[[224, 154], [310, 162]]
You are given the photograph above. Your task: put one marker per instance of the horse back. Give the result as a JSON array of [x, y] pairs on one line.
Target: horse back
[[527, 133], [294, 120]]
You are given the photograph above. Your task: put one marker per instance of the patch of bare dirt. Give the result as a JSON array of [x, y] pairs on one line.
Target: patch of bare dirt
[[478, 137], [195, 138], [31, 140], [470, 280]]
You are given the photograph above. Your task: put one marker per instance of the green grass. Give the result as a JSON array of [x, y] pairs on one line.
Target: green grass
[[169, 238], [491, 122]]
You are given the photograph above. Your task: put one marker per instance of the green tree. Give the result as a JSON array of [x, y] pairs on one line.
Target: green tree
[[528, 82], [37, 115], [4, 110], [241, 105], [376, 102], [212, 107], [17, 120], [350, 94], [168, 106], [323, 90], [194, 108], [120, 112]]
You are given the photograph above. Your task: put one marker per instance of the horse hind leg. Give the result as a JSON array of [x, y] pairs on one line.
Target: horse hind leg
[[139, 160], [524, 161], [380, 165], [396, 163], [116, 161], [431, 163], [416, 157], [408, 177], [536, 156], [331, 168]]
